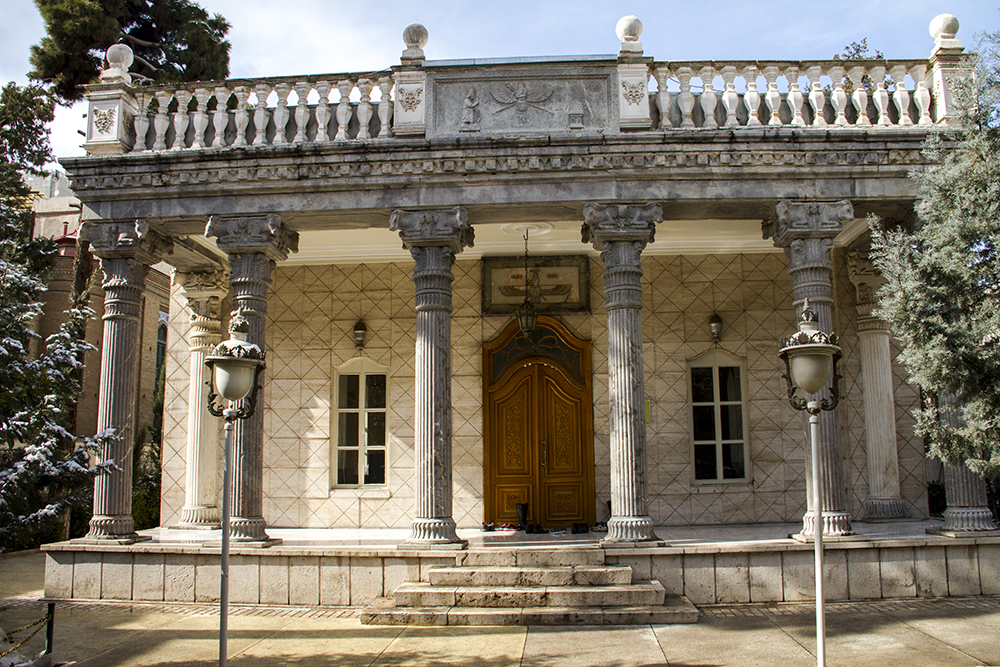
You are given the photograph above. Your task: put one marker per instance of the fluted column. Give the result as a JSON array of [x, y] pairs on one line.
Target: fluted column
[[621, 232], [254, 243], [433, 239], [806, 232], [968, 509], [204, 291], [883, 501], [126, 251]]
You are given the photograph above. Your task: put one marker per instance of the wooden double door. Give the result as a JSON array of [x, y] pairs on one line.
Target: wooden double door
[[539, 429]]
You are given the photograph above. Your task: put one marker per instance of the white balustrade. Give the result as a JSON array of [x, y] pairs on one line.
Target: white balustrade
[[238, 113], [817, 94]]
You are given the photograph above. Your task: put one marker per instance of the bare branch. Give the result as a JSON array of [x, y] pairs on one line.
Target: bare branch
[[140, 42], [146, 62]]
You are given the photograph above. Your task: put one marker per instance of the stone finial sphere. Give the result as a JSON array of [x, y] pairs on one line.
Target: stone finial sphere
[[629, 29], [944, 26], [415, 36], [119, 57]]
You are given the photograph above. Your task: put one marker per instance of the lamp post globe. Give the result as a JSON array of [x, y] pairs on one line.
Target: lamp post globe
[[234, 362]]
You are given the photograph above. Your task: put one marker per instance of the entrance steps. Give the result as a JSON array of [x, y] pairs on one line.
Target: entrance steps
[[530, 586]]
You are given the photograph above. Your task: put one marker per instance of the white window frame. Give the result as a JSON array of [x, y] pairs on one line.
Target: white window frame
[[362, 367], [716, 358]]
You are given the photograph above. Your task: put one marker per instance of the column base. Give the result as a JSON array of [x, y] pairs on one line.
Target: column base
[[884, 509], [433, 532], [968, 519], [243, 529], [118, 528], [199, 516], [629, 529], [835, 524]]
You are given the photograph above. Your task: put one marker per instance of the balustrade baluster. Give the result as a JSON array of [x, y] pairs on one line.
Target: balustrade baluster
[[921, 94], [322, 112], [880, 95], [860, 95], [901, 96], [773, 96], [220, 118], [200, 121], [709, 99], [795, 97], [343, 110], [302, 89], [664, 100], [242, 118], [838, 98], [685, 100], [281, 113], [384, 106], [161, 121], [364, 108], [140, 123], [751, 98], [261, 90], [730, 98], [181, 119], [817, 96]]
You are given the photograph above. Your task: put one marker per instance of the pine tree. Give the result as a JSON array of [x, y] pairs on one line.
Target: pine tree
[[172, 40], [44, 468], [942, 297]]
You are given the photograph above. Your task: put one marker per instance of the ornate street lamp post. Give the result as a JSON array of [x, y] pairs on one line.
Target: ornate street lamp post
[[235, 366], [807, 355]]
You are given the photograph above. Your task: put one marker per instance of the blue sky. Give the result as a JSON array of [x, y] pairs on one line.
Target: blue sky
[[310, 36]]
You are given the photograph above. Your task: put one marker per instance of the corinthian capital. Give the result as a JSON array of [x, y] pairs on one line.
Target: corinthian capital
[[441, 227], [866, 280], [251, 234], [607, 223], [131, 239], [806, 220]]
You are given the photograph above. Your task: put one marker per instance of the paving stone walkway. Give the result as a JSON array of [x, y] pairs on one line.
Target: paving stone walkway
[[884, 633]]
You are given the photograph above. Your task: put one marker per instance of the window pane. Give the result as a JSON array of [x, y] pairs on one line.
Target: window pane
[[704, 462], [732, 422], [347, 466], [732, 461], [376, 429], [374, 391], [348, 392], [347, 435], [701, 385], [704, 422], [375, 470], [729, 383]]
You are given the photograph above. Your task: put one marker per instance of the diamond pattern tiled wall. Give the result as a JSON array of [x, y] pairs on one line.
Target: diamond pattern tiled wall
[[312, 311]]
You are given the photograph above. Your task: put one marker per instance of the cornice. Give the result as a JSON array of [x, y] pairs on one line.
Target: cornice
[[675, 155]]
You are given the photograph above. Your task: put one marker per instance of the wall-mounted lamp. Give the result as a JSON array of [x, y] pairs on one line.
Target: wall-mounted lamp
[[360, 331], [715, 325]]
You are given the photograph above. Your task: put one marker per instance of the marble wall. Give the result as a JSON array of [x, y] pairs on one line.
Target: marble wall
[[312, 311]]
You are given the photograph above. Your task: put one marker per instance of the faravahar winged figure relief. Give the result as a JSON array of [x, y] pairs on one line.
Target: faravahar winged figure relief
[[521, 100]]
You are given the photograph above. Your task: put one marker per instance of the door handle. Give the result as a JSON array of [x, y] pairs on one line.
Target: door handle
[[545, 454]]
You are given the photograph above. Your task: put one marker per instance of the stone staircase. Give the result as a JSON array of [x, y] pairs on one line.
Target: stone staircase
[[530, 586]]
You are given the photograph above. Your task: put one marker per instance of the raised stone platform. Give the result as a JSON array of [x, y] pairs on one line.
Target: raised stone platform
[[705, 564]]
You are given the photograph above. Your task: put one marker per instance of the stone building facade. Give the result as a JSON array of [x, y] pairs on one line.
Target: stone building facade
[[730, 201]]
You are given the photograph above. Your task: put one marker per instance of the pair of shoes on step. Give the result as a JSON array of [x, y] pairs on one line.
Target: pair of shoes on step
[[489, 526], [535, 529], [580, 529]]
